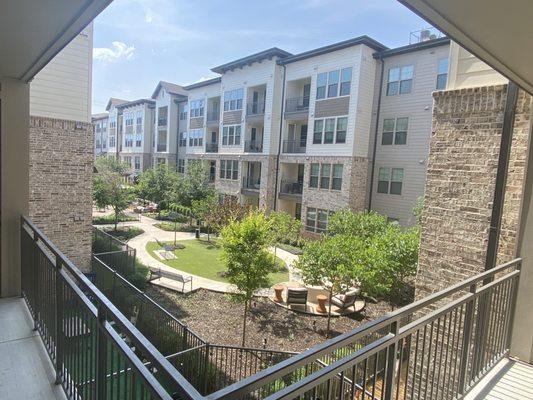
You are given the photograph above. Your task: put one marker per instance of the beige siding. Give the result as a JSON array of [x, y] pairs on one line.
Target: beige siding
[[332, 107], [197, 123], [232, 117], [62, 89]]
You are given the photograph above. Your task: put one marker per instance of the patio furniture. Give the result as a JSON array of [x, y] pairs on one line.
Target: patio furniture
[[297, 296], [160, 273], [278, 291], [344, 301], [321, 300]]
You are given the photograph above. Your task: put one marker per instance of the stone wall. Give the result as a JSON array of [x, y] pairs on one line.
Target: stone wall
[[461, 176], [60, 201]]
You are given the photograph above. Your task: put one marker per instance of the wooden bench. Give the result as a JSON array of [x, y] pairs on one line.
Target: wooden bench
[[158, 273]]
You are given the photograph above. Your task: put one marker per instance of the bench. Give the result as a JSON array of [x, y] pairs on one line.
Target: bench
[[158, 273]]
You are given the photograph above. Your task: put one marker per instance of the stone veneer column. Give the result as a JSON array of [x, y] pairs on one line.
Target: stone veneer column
[[461, 176], [61, 168]]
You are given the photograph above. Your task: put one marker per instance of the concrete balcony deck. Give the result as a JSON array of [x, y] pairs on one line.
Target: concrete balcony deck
[[25, 371]]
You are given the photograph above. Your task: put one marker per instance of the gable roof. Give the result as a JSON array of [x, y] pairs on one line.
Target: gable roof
[[206, 82], [171, 88], [248, 60], [427, 44], [113, 101], [366, 40], [135, 102], [99, 116]]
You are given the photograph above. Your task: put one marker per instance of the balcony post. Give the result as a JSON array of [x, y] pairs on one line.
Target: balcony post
[[514, 299], [467, 334], [391, 362], [35, 285], [101, 352], [59, 321]]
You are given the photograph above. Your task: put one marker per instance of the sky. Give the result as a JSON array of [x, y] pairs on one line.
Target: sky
[[137, 43]]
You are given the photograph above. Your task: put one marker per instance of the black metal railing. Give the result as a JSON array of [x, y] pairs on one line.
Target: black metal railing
[[297, 104], [161, 147], [255, 108], [211, 147], [291, 187], [294, 146], [253, 146], [162, 121], [251, 183], [434, 348], [213, 116], [96, 351]]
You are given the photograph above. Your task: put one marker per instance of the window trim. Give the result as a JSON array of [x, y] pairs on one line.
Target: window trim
[[319, 177], [339, 84], [317, 212], [223, 172], [226, 129], [400, 80], [197, 108], [335, 130], [389, 181], [233, 95], [395, 131], [442, 73]]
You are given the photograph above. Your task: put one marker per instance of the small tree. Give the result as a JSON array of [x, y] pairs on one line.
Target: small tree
[[205, 210], [283, 228], [248, 262], [365, 224], [227, 211], [417, 209], [195, 183], [109, 188], [159, 184]]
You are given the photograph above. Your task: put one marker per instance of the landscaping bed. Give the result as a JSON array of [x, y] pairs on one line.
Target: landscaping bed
[[178, 227], [125, 233], [218, 320], [202, 258], [110, 219]]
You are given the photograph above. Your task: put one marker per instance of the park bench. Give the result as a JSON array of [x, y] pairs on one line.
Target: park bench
[[157, 273]]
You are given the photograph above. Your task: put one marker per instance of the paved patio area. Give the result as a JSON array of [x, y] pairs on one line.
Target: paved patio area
[[25, 371]]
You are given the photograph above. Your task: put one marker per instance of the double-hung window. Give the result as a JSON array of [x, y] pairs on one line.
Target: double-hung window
[[183, 139], [317, 135], [233, 99], [394, 131], [229, 169], [231, 135], [313, 176], [400, 80], [317, 220], [340, 133], [197, 108], [333, 83], [111, 141], [196, 137], [137, 163], [326, 176], [325, 172], [390, 180], [138, 139], [139, 122], [330, 130], [442, 73], [336, 177], [183, 112], [181, 165]]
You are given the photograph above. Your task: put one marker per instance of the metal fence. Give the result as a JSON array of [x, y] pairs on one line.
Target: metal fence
[[96, 351], [114, 252]]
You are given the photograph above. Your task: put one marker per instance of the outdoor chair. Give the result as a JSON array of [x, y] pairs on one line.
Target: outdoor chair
[[344, 301], [297, 296]]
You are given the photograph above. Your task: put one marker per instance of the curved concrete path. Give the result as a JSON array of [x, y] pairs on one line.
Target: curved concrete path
[[151, 233]]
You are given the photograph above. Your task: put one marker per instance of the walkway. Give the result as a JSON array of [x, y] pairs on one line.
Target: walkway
[[151, 233], [25, 371]]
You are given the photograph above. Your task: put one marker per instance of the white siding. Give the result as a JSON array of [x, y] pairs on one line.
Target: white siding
[[412, 157], [62, 89]]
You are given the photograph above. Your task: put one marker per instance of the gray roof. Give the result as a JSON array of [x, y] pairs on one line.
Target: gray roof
[[98, 116], [113, 101], [241, 62], [366, 40], [203, 83], [171, 88], [135, 102], [412, 47]]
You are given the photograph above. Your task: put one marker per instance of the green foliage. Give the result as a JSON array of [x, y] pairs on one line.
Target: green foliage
[[126, 233], [205, 210], [110, 219], [283, 228], [195, 184], [175, 227], [226, 212], [365, 224], [159, 184], [418, 208]]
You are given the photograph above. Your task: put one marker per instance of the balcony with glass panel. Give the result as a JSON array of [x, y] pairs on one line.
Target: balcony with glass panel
[[255, 103], [213, 112], [294, 139], [297, 99]]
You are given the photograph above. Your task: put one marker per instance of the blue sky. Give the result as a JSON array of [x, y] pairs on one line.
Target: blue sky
[[137, 43]]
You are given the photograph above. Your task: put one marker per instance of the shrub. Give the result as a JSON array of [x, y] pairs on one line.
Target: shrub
[[110, 219]]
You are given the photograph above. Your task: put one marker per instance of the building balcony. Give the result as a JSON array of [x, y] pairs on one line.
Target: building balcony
[[161, 122], [211, 147], [253, 146], [161, 148], [250, 185], [297, 108], [255, 111], [293, 147], [290, 190], [213, 118]]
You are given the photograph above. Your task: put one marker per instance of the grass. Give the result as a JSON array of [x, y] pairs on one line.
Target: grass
[[202, 258], [180, 227], [290, 248], [125, 233], [110, 219]]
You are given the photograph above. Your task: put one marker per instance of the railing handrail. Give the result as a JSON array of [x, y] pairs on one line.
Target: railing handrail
[[213, 115], [285, 367], [255, 108], [149, 350]]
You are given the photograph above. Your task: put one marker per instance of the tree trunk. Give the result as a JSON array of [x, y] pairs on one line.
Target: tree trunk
[[116, 219], [208, 234], [329, 313], [175, 222], [244, 323]]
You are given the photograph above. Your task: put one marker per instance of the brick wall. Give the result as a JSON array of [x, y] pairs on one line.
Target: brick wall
[[61, 165], [461, 176]]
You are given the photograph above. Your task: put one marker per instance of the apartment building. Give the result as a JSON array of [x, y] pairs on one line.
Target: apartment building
[[99, 122], [114, 126]]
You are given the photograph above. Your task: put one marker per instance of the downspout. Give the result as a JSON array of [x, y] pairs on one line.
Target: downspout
[[279, 140], [501, 176], [372, 169]]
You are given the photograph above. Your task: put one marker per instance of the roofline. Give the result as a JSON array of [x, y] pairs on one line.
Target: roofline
[[366, 40], [97, 117], [428, 44], [200, 84], [256, 57], [135, 102], [159, 86]]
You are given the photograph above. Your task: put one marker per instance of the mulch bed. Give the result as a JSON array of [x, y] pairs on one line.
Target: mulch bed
[[216, 318]]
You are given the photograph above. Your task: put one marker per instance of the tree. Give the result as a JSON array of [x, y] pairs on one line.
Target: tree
[[228, 211], [418, 208], [248, 262], [365, 224], [109, 188], [195, 184], [205, 210], [332, 263], [159, 184], [283, 228]]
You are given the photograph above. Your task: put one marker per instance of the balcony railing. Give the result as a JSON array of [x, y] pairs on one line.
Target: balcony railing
[[251, 183], [291, 187], [253, 146], [162, 121], [213, 116], [255, 108], [297, 104], [161, 147], [211, 147], [294, 147]]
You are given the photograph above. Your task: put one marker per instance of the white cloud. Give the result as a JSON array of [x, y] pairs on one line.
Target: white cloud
[[117, 51]]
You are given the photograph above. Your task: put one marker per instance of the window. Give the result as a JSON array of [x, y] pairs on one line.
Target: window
[[183, 139], [127, 160], [183, 111], [317, 220], [111, 141], [137, 163], [336, 178], [139, 122], [128, 140], [313, 178], [340, 133], [229, 169], [161, 161], [181, 166], [442, 74], [330, 81], [197, 108], [196, 137], [325, 172], [330, 130], [394, 131], [138, 139], [233, 99], [231, 135], [400, 80], [390, 180]]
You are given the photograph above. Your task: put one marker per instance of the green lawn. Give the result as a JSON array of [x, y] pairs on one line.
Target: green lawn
[[202, 258]]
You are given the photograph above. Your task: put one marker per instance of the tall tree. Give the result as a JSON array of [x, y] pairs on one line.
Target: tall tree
[[283, 228], [205, 210], [364, 225], [159, 184], [228, 211], [248, 261], [195, 183]]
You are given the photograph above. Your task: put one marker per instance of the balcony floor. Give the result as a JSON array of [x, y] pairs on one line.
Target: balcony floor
[[25, 371], [509, 380]]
